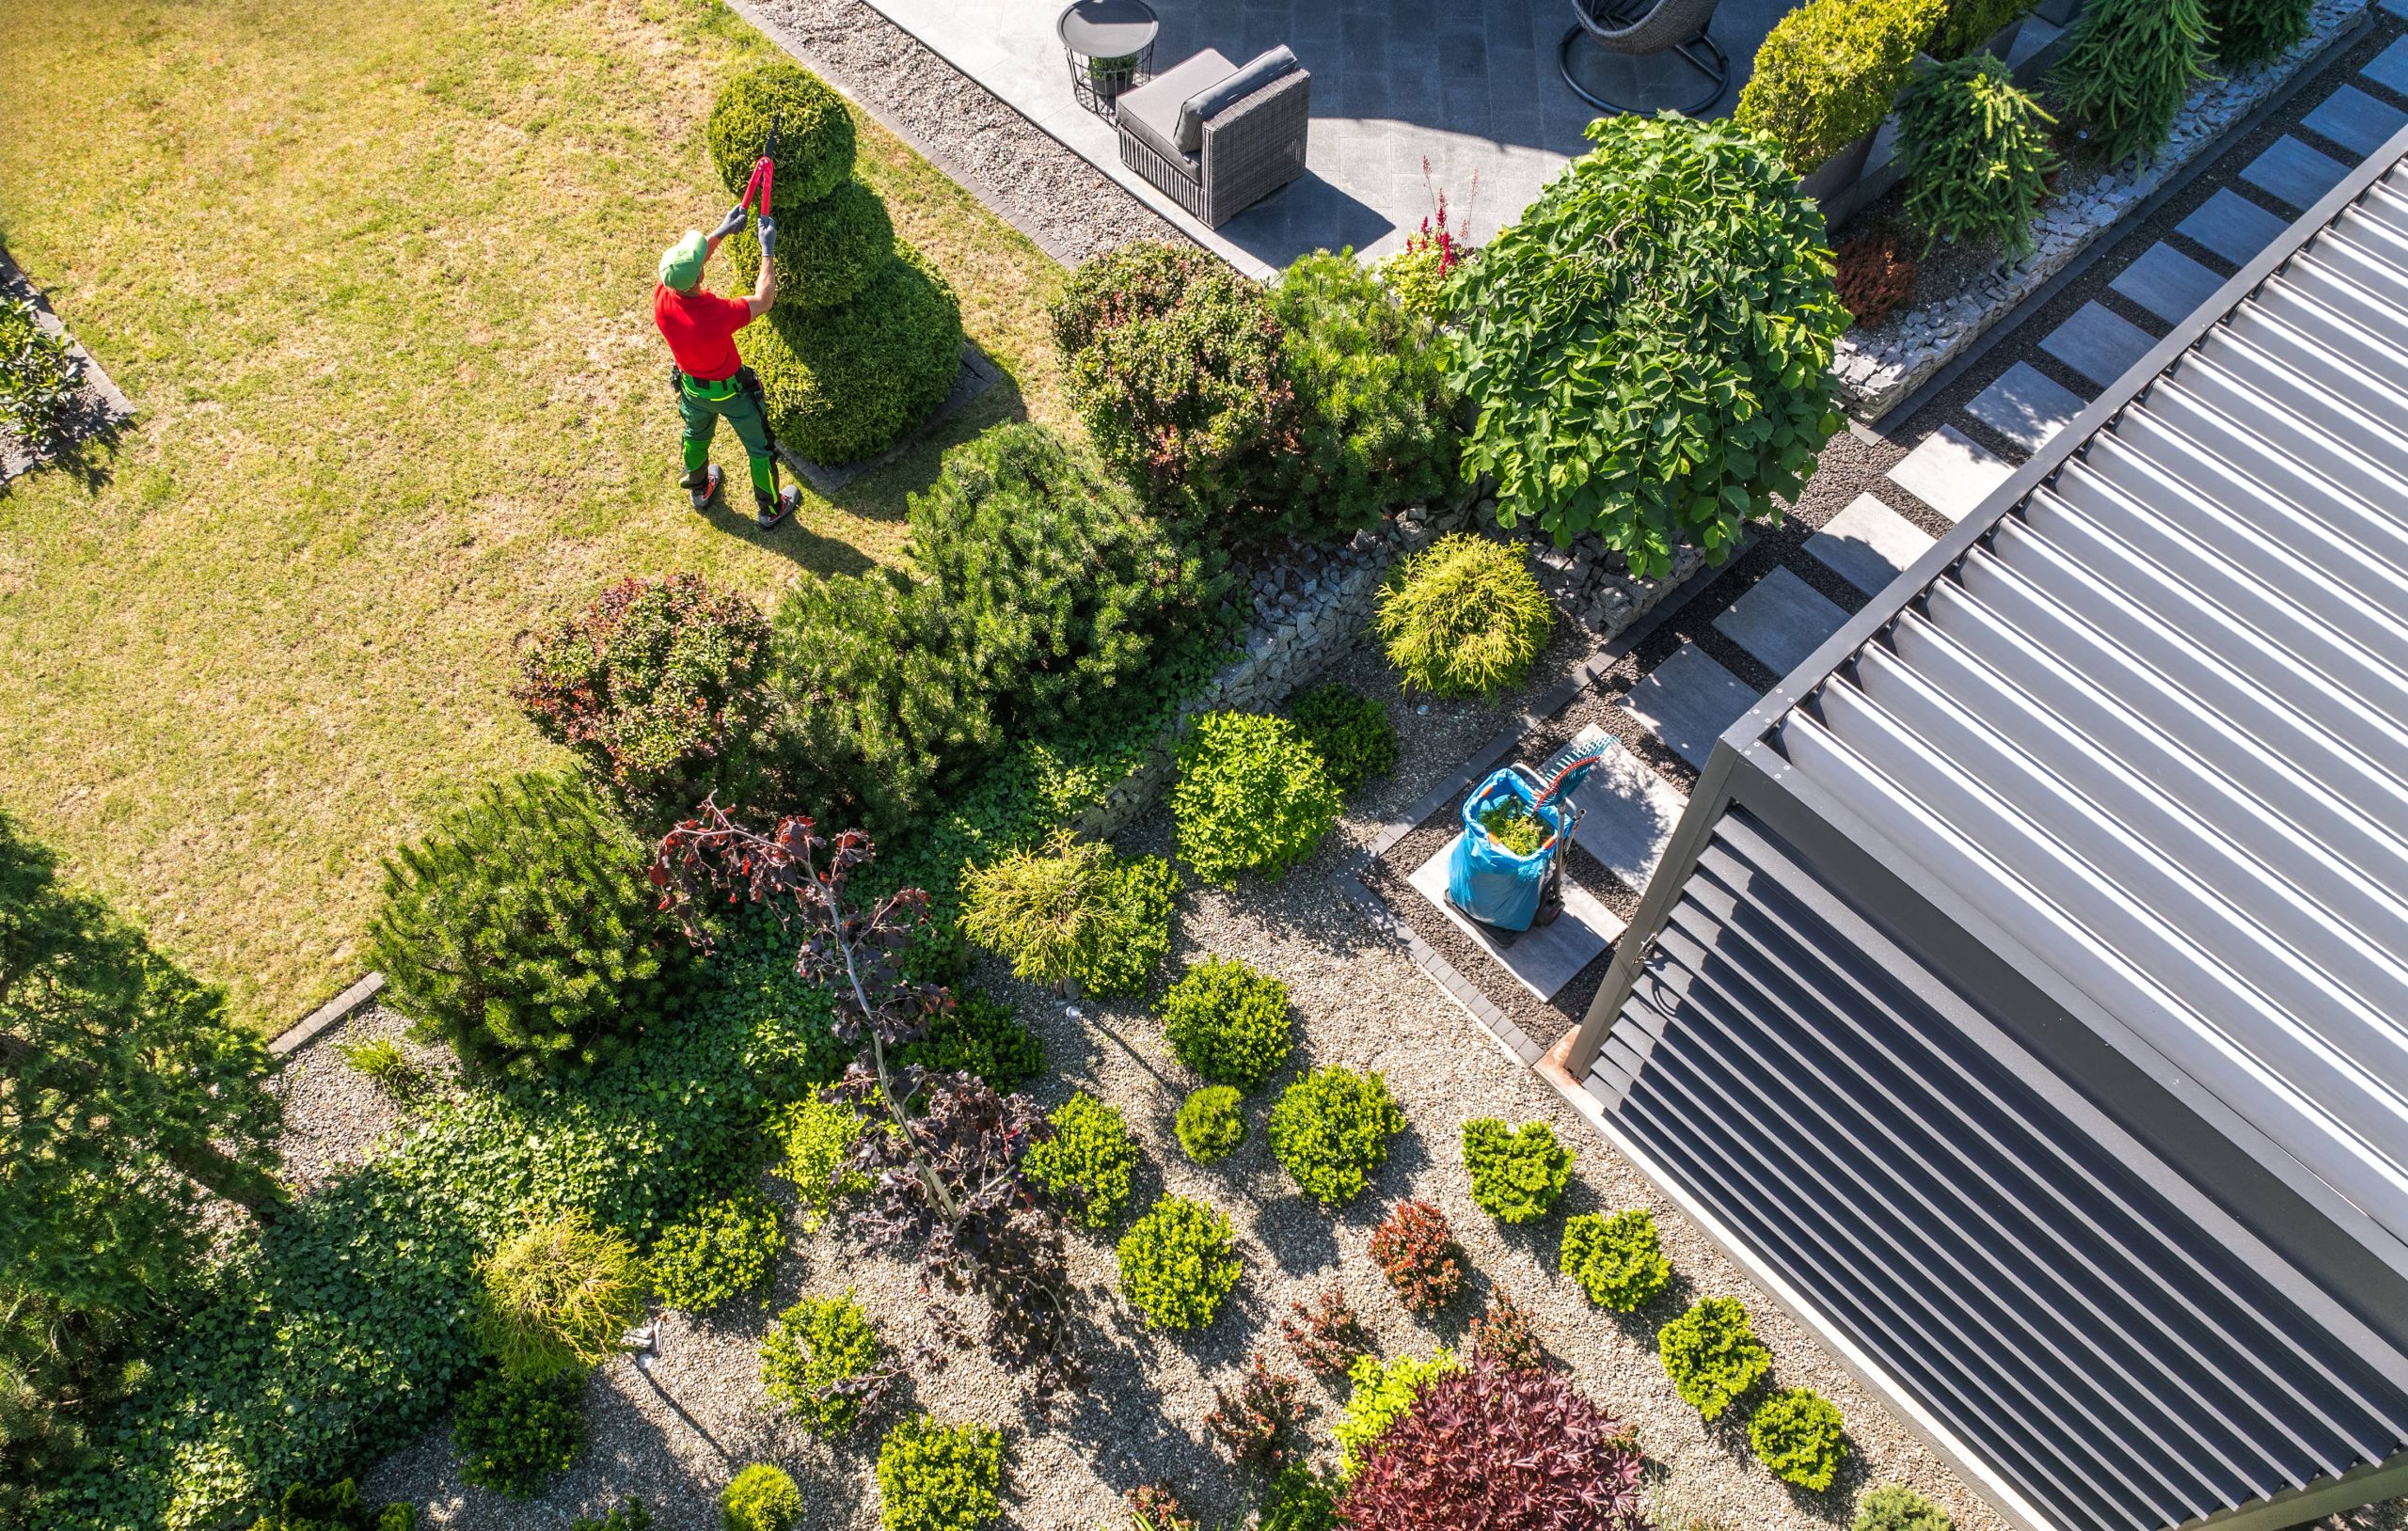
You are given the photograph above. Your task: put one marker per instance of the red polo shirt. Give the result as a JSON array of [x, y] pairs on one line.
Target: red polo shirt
[[700, 327]]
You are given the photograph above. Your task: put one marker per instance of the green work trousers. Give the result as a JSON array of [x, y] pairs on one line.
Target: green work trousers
[[702, 406]]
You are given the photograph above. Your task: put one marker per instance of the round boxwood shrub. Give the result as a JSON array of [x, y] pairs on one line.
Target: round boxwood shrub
[[1178, 1262], [1617, 1260], [523, 932], [1212, 1122], [816, 1138], [1893, 1506], [1089, 1161], [1516, 1173], [814, 135], [1827, 74], [980, 1035], [1352, 731], [1331, 1129], [722, 1249], [557, 1298], [760, 1498], [1799, 1433], [1712, 1355], [1252, 795], [827, 253], [514, 1433], [847, 383], [814, 1345], [1228, 1022], [1464, 617], [939, 1477]]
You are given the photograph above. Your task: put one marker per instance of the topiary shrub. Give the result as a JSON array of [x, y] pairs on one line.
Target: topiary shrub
[[1503, 1334], [939, 1477], [1617, 1260], [1073, 913], [1212, 1122], [1712, 1355], [1089, 1161], [335, 1508], [1328, 1338], [979, 1035], [2128, 67], [557, 1299], [827, 252], [513, 1433], [524, 933], [1515, 1449], [1464, 617], [1352, 731], [1416, 1249], [814, 135], [1383, 1393], [2252, 32], [1178, 1262], [1516, 1173], [1799, 1433], [1260, 1422], [1331, 1129], [1228, 1022], [1874, 277], [1252, 795], [722, 1249], [1965, 26], [820, 1362], [1976, 156], [760, 1498], [1828, 73], [1647, 351], [848, 382], [1893, 1506], [816, 1138]]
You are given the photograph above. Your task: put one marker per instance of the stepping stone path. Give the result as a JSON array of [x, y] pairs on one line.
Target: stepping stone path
[[1781, 620], [1687, 701], [2390, 68], [2232, 226], [2355, 121], [1869, 544], [2167, 283], [2097, 343], [1543, 957], [1626, 811], [1953, 473], [2291, 172], [2026, 406]]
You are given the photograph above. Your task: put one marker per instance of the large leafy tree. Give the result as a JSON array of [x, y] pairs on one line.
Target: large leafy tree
[[1648, 350], [128, 1097]]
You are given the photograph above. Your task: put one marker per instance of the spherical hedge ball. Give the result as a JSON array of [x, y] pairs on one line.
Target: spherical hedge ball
[[847, 383], [827, 252], [814, 135]]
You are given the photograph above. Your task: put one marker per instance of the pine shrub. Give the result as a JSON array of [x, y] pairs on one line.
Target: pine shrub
[[821, 1362], [1414, 1248], [1516, 1173], [1875, 276], [1328, 1338], [513, 1435], [814, 1138], [1212, 1122], [940, 1477], [1252, 795], [1712, 1354], [1260, 1422], [723, 1247], [1799, 1435], [1073, 912], [1228, 1022], [1177, 1263], [760, 1498], [1503, 1334], [557, 1299], [523, 932], [1352, 731], [1464, 617], [979, 1035], [1383, 1392], [2252, 32], [1090, 1161], [1331, 1129], [2128, 67], [1976, 154], [1829, 71], [1893, 1506], [1617, 1260], [814, 135]]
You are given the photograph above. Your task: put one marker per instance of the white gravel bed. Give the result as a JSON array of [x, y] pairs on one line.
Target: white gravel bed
[[334, 1115]]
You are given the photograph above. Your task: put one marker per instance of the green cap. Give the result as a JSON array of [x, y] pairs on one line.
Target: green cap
[[681, 264]]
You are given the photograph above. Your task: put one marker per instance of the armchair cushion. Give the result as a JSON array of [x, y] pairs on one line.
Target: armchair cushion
[[1240, 83], [1151, 112]]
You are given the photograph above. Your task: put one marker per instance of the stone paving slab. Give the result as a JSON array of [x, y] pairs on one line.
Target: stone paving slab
[[1781, 620], [1543, 957], [2291, 172], [2166, 282], [2233, 226], [1869, 544], [2390, 67], [1687, 701], [1626, 810], [2026, 406], [1951, 472], [2099, 344], [2356, 120]]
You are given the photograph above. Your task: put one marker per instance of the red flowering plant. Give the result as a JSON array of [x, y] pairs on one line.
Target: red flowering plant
[[1417, 274]]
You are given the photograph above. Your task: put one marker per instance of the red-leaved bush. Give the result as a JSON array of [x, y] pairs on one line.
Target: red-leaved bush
[[1503, 1449], [1502, 1333], [1258, 1424], [1418, 1250], [1874, 277], [1153, 1507], [1328, 1336]]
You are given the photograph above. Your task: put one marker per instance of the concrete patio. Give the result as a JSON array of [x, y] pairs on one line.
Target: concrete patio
[[1472, 88]]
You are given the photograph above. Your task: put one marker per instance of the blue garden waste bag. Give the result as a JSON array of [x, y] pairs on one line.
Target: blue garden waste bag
[[1489, 882]]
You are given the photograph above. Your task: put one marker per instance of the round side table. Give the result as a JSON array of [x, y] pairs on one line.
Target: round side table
[[1109, 47]]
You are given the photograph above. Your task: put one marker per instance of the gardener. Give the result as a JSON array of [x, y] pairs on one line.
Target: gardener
[[710, 378]]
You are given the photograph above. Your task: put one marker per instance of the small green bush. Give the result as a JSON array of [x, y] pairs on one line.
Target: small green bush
[[940, 1477], [381, 1059], [847, 383], [720, 1250], [1331, 1129], [1178, 1262], [814, 135], [627, 1515], [1212, 1122], [2253, 32], [1228, 1022], [1617, 1260], [524, 933], [40, 379], [1252, 795], [514, 1433], [2128, 67], [1300, 1500], [814, 1345], [1828, 73], [981, 1035], [1712, 1355], [1517, 1174], [335, 1508], [1383, 1393], [760, 1498], [1799, 1435], [1352, 731], [1893, 1506], [1976, 154], [1968, 23], [1073, 912], [557, 1299], [1464, 617], [1089, 1161], [814, 1136], [827, 253]]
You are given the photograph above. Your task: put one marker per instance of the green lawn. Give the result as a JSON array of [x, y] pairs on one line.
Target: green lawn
[[378, 278]]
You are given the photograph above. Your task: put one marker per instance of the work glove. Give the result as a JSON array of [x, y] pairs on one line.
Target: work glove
[[734, 221], [768, 233]]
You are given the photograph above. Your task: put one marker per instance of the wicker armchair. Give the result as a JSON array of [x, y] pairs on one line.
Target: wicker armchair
[[1243, 151], [1665, 27]]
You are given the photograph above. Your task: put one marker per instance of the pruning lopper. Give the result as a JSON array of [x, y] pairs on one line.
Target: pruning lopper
[[765, 174]]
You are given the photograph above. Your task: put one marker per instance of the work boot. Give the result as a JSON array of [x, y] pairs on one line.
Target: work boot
[[703, 492], [768, 513]]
